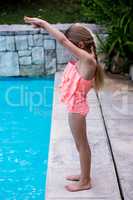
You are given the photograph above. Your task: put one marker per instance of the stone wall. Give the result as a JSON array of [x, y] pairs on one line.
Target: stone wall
[[26, 51]]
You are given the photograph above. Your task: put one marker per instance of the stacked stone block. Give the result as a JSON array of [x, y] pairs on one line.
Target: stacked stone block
[[25, 51]]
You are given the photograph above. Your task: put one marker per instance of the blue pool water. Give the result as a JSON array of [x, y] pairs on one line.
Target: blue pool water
[[25, 122]]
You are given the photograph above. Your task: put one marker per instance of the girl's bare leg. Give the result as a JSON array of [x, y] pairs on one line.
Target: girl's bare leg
[[77, 124]]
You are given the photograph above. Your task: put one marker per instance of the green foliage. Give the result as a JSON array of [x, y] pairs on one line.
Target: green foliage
[[117, 17], [54, 11]]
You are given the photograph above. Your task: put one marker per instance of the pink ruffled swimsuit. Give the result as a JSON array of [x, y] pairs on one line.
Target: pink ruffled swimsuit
[[74, 89]]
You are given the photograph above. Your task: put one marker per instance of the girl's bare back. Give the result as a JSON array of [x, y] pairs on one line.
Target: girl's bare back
[[86, 69]]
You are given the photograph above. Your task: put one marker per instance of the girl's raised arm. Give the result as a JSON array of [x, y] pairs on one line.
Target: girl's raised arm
[[59, 36]]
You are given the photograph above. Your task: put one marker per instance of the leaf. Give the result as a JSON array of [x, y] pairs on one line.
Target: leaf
[[122, 20], [112, 46], [100, 40], [125, 28], [129, 43], [104, 8]]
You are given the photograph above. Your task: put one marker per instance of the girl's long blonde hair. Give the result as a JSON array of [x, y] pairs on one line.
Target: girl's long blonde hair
[[76, 33]]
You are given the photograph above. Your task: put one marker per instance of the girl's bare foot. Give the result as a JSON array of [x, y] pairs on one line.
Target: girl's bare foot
[[73, 177], [78, 187]]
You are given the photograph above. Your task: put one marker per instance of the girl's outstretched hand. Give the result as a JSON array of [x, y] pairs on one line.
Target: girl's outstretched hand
[[36, 22]]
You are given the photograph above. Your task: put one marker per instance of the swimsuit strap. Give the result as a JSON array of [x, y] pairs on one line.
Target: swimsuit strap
[[73, 62]]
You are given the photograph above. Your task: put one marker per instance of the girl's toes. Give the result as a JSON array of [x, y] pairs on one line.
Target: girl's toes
[[70, 188]]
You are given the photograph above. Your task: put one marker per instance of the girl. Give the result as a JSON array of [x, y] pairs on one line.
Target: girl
[[78, 78]]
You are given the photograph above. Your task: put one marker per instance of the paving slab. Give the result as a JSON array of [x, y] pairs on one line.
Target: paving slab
[[64, 158], [117, 105], [118, 108], [121, 95], [116, 112], [95, 129], [123, 153], [120, 128]]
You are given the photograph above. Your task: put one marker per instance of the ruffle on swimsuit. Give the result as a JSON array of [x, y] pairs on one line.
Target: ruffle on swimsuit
[[74, 89]]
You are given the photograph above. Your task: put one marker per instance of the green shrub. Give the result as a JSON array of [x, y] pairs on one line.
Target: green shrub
[[117, 17]]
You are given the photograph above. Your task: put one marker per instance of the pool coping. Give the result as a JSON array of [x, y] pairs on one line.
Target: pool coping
[[62, 162]]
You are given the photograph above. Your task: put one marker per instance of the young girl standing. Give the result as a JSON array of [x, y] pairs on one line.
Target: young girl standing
[[78, 78]]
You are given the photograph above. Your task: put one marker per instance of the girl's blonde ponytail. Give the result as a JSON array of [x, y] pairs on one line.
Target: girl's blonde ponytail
[[99, 73], [99, 78]]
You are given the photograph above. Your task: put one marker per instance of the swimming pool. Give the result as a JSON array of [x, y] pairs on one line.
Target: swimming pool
[[25, 122]]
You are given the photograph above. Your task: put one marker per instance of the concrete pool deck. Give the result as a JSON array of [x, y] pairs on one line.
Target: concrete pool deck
[[110, 135]]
